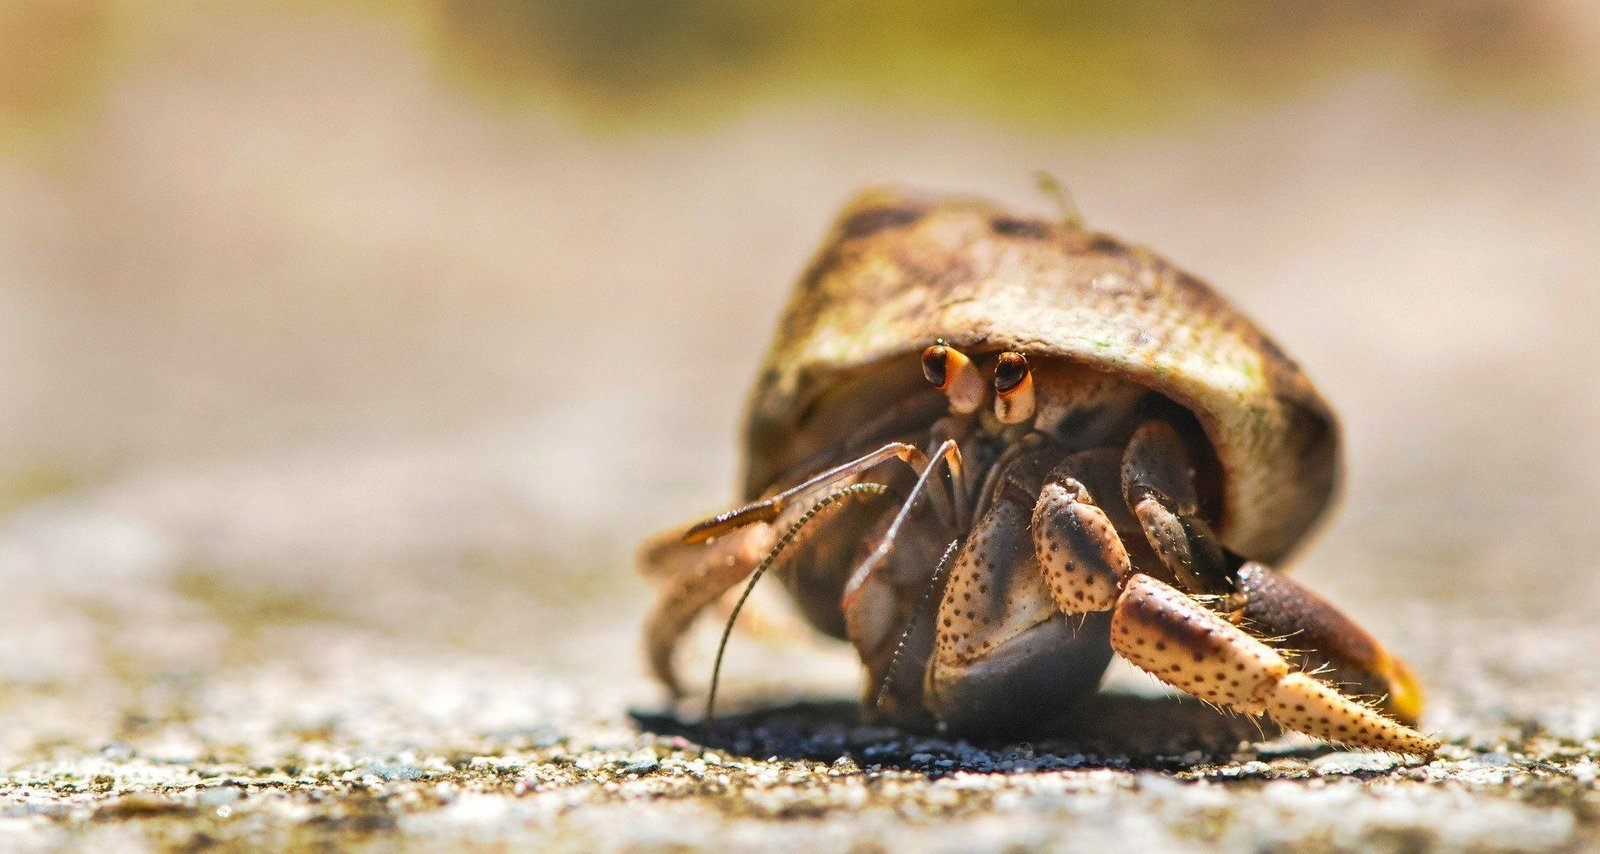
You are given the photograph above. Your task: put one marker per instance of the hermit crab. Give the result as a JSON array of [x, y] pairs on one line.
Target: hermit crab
[[989, 450]]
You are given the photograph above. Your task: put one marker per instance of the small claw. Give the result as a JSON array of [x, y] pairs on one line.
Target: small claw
[[1158, 482], [1077, 549], [1185, 545]]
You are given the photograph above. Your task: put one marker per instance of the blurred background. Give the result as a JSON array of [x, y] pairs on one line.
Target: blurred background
[[347, 349]]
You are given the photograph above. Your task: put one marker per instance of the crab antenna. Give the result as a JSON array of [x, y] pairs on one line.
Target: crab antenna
[[766, 563], [952, 373], [911, 623], [1050, 186], [1013, 389]]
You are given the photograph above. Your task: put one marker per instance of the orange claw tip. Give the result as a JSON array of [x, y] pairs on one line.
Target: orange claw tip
[[722, 523], [1405, 692]]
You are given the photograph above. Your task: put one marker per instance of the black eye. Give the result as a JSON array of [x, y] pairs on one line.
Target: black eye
[[1009, 372], [935, 364]]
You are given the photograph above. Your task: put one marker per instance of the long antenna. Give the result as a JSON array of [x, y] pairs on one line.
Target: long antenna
[[766, 563], [927, 591]]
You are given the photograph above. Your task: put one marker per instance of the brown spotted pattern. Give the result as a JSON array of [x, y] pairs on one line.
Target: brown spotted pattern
[[1330, 643], [1308, 705], [1175, 638], [1204, 442], [1077, 549], [1165, 533], [993, 594]]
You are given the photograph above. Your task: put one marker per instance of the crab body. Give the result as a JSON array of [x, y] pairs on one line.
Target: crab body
[[1081, 449]]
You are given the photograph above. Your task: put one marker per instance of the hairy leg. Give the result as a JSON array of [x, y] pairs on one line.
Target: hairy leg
[[1325, 641], [1165, 632], [1158, 483]]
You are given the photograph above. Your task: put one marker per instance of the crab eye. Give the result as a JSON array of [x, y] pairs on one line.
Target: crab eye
[[952, 373], [1013, 387], [1009, 372], [935, 364]]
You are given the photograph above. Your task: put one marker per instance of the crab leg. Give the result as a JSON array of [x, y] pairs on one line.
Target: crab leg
[[1329, 643], [1164, 632], [768, 509], [697, 575], [1158, 483]]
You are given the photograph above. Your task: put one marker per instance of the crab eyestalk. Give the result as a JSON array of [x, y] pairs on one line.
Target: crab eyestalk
[[953, 374], [1013, 389]]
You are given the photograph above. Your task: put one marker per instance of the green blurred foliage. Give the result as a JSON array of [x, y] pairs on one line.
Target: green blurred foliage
[[1046, 61], [644, 63]]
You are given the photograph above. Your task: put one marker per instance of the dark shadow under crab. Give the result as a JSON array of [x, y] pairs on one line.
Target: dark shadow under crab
[[1122, 731]]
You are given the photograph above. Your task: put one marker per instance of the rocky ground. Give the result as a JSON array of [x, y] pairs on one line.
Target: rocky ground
[[300, 565]]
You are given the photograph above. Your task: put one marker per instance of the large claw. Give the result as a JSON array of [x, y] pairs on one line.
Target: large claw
[[1168, 634]]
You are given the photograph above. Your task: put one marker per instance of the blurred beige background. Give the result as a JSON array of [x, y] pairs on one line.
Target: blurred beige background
[[347, 349]]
